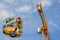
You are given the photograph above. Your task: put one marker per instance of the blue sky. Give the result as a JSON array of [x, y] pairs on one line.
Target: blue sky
[[27, 10]]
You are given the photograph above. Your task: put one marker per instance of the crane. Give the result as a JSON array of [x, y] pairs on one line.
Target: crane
[[44, 28]]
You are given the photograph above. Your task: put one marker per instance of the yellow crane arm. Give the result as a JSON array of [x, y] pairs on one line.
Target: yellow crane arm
[[45, 27]]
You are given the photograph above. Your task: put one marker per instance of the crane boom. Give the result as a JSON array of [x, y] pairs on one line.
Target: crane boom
[[45, 27]]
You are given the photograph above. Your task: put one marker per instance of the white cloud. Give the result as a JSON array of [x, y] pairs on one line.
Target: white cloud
[[9, 1], [28, 8], [5, 14], [25, 0], [58, 1], [46, 3], [2, 6], [54, 24], [25, 8]]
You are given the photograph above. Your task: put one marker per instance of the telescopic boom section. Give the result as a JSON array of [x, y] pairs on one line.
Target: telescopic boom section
[[39, 6], [45, 27]]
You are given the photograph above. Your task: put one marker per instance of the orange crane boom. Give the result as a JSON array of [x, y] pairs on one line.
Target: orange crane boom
[[45, 27]]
